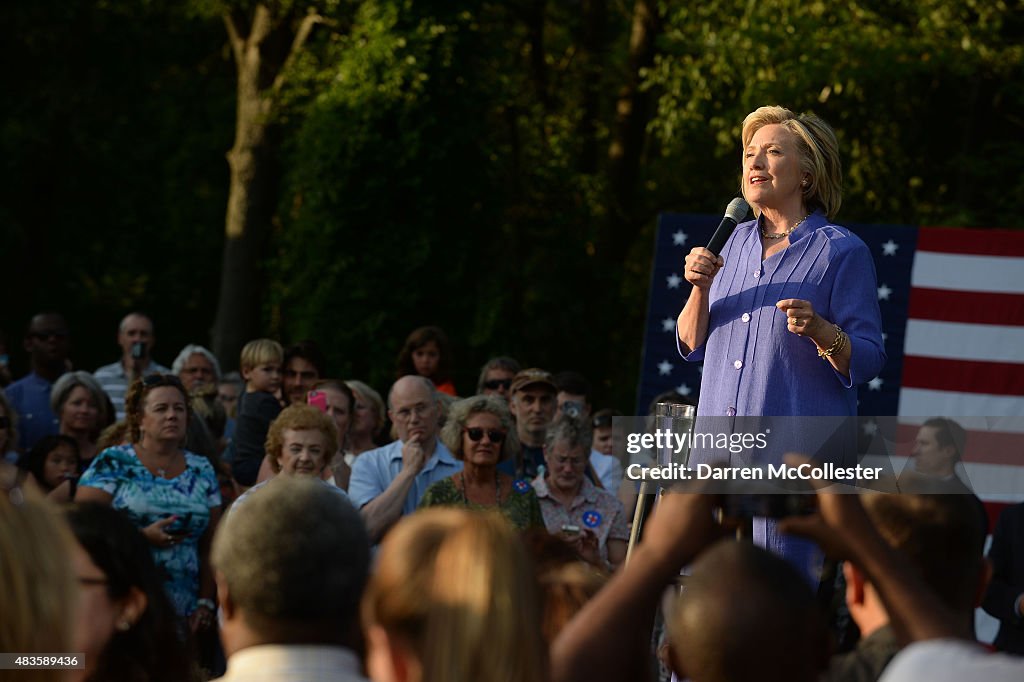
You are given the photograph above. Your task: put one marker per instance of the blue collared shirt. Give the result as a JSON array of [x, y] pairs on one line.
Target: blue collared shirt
[[30, 398], [375, 470], [753, 365]]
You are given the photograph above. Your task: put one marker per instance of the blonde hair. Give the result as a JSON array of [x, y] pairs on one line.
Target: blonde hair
[[36, 580], [458, 587], [368, 394], [259, 352], [460, 412], [819, 154], [300, 418]]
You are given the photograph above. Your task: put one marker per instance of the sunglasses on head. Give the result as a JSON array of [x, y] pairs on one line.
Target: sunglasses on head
[[602, 421], [476, 434], [495, 384]]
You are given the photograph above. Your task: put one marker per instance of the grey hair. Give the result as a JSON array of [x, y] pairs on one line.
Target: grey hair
[[195, 349], [461, 411], [569, 430], [67, 382], [296, 553], [501, 362]]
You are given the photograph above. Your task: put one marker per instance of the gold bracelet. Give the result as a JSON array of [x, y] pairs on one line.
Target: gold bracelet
[[837, 345]]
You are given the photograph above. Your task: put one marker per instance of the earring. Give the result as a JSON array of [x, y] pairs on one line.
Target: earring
[[124, 625]]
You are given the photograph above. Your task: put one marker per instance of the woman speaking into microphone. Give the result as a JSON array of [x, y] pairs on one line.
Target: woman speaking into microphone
[[786, 320]]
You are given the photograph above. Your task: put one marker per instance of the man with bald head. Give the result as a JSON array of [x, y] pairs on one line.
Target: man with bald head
[[47, 343], [388, 482], [136, 338]]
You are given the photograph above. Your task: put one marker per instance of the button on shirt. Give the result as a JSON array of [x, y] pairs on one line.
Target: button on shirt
[[30, 398], [374, 471], [752, 363], [594, 509]]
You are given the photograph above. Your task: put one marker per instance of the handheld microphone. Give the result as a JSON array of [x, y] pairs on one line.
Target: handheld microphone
[[734, 213]]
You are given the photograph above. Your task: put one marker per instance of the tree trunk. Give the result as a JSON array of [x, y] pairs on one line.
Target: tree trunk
[[632, 113], [262, 57]]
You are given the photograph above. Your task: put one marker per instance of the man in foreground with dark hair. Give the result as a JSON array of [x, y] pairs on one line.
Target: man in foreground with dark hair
[[941, 538], [291, 566]]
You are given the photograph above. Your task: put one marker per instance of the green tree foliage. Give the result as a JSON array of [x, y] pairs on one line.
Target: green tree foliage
[[491, 167]]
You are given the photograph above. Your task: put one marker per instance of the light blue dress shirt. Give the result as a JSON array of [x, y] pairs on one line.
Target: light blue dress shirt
[[374, 470]]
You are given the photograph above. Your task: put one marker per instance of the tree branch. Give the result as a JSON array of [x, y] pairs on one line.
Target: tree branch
[[234, 35], [301, 35]]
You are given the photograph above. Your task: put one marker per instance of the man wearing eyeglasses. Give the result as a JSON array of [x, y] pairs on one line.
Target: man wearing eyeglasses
[[136, 338], [388, 482], [48, 343]]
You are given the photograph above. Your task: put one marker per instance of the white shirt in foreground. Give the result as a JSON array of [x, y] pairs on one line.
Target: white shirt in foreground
[[952, 660]]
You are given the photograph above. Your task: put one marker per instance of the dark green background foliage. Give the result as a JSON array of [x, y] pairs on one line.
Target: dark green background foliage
[[455, 162]]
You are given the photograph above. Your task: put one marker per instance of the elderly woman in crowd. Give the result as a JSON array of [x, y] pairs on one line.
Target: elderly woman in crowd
[[300, 442], [367, 418], [479, 431], [168, 492], [196, 366], [453, 599], [786, 319], [125, 625], [81, 408], [339, 403], [589, 518]]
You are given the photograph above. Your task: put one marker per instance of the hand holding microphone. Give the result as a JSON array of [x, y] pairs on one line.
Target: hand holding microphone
[[702, 264]]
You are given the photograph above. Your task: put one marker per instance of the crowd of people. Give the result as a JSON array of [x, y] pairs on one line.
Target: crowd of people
[[281, 523]]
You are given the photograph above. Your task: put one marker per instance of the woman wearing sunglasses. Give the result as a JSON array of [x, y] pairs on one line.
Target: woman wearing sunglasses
[[171, 494], [479, 431]]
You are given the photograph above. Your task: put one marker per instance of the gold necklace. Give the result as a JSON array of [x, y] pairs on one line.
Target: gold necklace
[[782, 235]]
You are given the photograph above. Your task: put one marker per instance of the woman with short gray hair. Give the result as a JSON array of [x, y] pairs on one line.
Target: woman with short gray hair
[[479, 432], [82, 411]]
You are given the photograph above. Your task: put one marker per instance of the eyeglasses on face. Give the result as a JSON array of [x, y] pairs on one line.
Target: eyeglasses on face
[[495, 384], [406, 413], [476, 434]]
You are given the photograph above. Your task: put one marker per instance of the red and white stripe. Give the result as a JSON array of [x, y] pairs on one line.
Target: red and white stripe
[[964, 349]]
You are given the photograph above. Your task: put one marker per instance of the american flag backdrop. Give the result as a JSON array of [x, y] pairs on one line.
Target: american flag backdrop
[[952, 303]]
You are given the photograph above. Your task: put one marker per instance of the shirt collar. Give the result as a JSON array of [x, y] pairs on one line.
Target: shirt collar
[[265, 657], [587, 490]]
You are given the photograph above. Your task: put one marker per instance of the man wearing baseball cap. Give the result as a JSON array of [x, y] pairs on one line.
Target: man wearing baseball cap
[[533, 405]]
